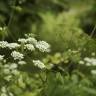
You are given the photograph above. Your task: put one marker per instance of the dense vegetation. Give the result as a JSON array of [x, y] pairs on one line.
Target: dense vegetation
[[47, 48]]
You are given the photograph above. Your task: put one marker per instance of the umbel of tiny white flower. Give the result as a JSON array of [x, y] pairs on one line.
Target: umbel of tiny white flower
[[13, 45], [39, 64], [17, 55], [93, 53], [43, 46], [8, 78], [6, 71], [10, 69], [1, 57], [21, 62], [81, 62], [4, 94], [31, 40], [3, 89], [3, 44], [29, 47], [93, 72], [13, 66], [87, 59], [15, 72], [90, 61], [1, 28], [22, 40]]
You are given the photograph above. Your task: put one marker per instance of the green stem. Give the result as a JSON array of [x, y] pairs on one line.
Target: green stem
[[93, 31]]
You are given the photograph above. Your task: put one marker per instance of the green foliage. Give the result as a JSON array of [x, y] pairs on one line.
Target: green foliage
[[63, 32], [69, 26]]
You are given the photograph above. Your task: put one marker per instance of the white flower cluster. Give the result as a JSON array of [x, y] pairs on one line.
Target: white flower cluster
[[4, 92], [39, 64], [22, 40], [3, 44], [93, 72], [88, 61], [43, 46], [31, 40], [29, 44], [9, 70], [13, 45], [21, 62], [17, 55], [1, 57], [9, 67], [28, 40], [30, 47], [1, 28]]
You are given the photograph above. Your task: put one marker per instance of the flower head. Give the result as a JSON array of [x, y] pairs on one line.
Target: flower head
[[93, 72], [39, 64], [22, 40], [21, 62], [29, 47], [17, 55], [3, 44], [43, 46], [13, 45], [31, 40], [1, 57]]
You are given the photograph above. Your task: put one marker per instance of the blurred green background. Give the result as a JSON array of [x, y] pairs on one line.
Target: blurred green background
[[56, 21], [64, 24]]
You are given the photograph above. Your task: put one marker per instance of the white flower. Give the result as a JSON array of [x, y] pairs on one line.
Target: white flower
[[17, 55], [43, 46], [93, 54], [11, 94], [6, 66], [21, 62], [81, 62], [3, 44], [8, 78], [39, 64], [13, 45], [22, 40], [1, 57], [6, 71], [4, 94], [15, 72], [93, 72], [29, 47], [93, 61], [87, 59], [1, 28], [3, 89], [90, 61], [13, 66], [88, 64], [31, 40]]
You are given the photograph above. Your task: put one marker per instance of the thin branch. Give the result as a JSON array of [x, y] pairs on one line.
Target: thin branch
[[93, 31]]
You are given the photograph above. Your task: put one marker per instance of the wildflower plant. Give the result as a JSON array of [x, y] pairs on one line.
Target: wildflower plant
[[12, 62], [74, 74]]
